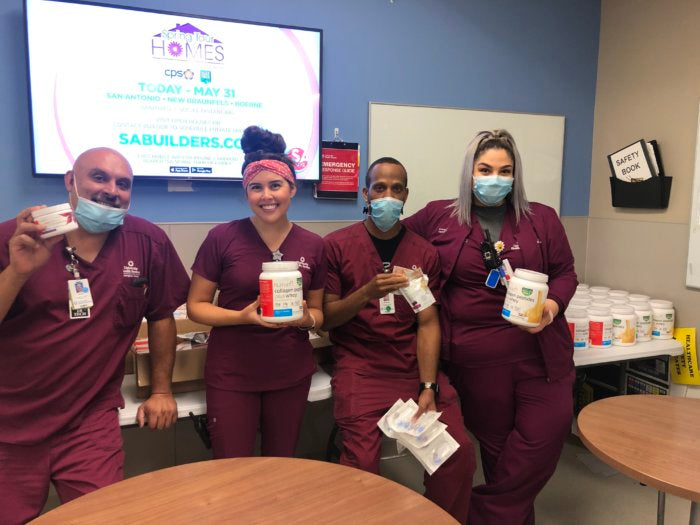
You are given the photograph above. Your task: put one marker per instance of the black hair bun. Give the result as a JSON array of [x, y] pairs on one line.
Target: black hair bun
[[256, 138]]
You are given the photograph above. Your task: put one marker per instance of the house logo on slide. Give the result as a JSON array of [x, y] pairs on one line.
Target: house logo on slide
[[187, 43]]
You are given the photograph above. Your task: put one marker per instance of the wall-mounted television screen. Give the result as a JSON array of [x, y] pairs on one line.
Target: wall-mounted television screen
[[172, 92]]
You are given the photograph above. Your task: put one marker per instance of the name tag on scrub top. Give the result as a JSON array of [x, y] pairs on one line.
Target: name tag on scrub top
[[386, 304], [79, 299]]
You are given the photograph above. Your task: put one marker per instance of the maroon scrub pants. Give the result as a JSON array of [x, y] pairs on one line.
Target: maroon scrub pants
[[361, 401], [77, 460], [521, 421], [235, 417]]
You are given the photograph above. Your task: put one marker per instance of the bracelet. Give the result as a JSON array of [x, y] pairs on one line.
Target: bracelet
[[313, 323]]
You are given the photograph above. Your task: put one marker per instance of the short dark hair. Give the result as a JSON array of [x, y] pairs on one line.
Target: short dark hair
[[258, 144], [383, 160]]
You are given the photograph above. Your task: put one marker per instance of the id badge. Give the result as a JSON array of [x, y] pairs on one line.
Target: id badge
[[386, 304], [79, 294]]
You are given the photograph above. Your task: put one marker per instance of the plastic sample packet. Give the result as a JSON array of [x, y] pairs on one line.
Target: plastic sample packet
[[417, 293]]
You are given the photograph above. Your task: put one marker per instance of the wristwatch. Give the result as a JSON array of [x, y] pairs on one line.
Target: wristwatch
[[432, 386]]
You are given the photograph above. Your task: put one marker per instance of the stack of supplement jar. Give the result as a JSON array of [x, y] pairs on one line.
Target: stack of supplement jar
[[600, 317]]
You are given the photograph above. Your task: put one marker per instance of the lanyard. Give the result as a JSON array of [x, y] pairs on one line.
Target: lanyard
[[72, 266]]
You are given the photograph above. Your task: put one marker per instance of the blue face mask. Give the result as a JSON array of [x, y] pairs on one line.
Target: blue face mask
[[385, 212], [97, 218], [492, 189]]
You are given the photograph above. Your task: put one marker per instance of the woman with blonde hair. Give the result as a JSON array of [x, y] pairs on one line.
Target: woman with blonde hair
[[515, 383]]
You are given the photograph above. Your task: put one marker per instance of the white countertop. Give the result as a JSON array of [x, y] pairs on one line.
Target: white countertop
[[321, 382], [653, 348]]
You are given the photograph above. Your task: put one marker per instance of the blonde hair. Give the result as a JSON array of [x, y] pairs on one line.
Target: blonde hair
[[486, 140]]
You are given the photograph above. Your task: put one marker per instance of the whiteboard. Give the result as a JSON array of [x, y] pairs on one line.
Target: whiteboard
[[431, 142], [692, 275]]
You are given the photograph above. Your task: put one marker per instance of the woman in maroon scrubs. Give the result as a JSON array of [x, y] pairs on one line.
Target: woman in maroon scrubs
[[257, 374], [515, 383]]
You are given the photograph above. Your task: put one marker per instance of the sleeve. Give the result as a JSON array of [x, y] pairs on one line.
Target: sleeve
[[168, 282], [560, 261], [418, 222], [207, 263], [333, 285], [318, 279]]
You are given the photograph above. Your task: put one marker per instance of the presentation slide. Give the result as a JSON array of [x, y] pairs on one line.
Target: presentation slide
[[173, 93]]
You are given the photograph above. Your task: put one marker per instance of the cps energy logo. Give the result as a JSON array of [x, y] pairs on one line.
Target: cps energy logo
[[187, 43]]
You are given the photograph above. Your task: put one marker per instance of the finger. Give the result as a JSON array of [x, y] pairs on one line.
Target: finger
[[140, 416], [153, 420], [417, 415], [26, 214], [29, 228]]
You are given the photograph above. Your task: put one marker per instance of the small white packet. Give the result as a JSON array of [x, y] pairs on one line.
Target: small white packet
[[384, 425], [436, 453], [426, 437], [401, 420], [417, 293]]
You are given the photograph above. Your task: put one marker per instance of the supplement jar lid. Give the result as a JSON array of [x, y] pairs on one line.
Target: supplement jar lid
[[280, 266], [575, 313], [531, 275], [622, 309], [660, 303], [603, 312]]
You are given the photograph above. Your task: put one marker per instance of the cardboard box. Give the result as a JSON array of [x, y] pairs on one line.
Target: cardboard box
[[183, 326], [188, 372]]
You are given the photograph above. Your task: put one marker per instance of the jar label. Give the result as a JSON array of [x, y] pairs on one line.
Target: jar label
[[662, 325], [623, 332], [600, 333], [523, 306], [281, 297], [579, 334]]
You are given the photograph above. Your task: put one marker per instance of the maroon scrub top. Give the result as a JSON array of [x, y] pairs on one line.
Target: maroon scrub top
[[53, 367], [473, 332], [250, 357], [382, 345]]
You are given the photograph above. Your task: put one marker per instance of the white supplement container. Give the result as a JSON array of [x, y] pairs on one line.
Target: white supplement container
[[663, 318], [581, 304], [624, 325], [281, 293], [56, 220], [582, 287], [527, 292], [618, 293], [599, 327], [617, 300], [601, 303], [644, 318], [595, 290], [638, 297], [577, 319]]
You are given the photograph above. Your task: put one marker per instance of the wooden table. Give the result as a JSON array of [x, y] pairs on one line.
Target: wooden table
[[251, 490], [653, 439]]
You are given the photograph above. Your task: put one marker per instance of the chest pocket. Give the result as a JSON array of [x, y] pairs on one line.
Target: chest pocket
[[130, 306]]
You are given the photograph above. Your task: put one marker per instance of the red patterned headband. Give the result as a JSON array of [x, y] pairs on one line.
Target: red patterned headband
[[274, 166]]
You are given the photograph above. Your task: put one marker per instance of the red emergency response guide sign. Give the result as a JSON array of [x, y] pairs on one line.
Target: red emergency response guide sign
[[340, 167]]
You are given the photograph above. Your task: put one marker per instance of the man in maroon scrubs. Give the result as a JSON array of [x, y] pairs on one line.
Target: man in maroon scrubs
[[63, 364], [383, 350]]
